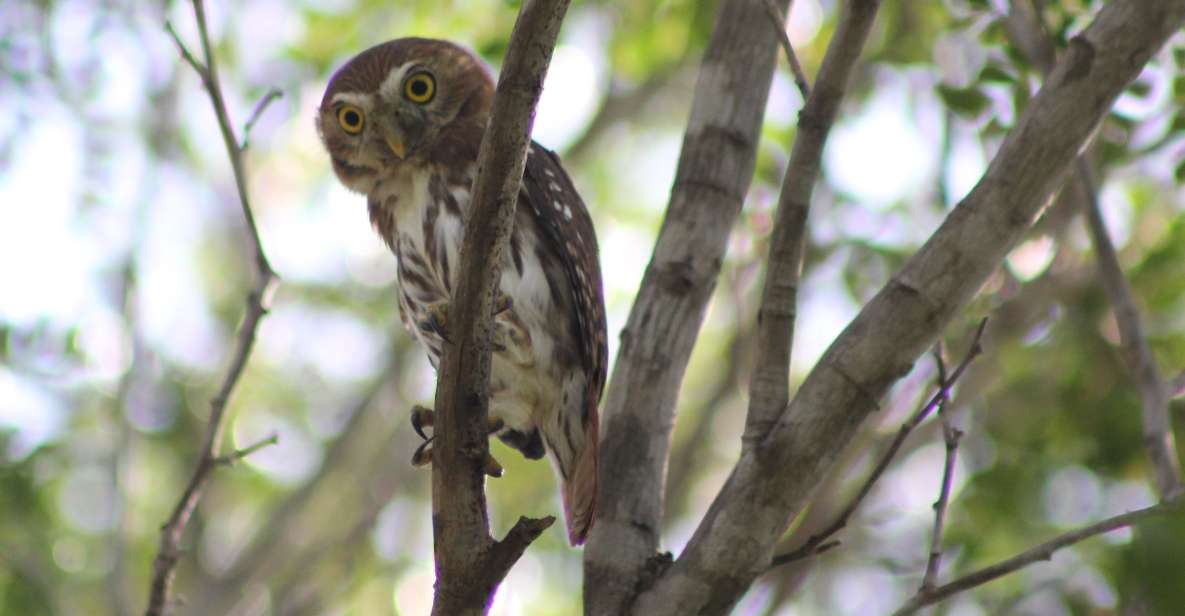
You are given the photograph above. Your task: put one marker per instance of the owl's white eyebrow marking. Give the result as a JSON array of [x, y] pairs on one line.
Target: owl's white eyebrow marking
[[353, 98], [389, 89]]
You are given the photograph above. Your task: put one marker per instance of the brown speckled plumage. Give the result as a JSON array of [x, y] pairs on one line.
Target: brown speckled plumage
[[415, 161]]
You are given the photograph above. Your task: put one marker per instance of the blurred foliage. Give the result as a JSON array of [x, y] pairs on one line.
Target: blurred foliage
[[123, 270]]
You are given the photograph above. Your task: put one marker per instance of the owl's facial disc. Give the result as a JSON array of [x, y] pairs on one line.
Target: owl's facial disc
[[406, 97]]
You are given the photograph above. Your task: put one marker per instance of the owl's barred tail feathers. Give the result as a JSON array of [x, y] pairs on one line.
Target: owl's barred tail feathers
[[580, 489]]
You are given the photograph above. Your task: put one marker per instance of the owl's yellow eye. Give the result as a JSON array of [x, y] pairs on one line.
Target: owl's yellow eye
[[350, 118], [419, 88]]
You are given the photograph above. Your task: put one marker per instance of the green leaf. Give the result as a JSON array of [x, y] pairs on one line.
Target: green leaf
[[1020, 96], [995, 74], [1139, 88], [1178, 124], [963, 101], [1179, 88]]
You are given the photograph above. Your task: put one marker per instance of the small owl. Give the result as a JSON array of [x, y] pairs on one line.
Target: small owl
[[403, 122]]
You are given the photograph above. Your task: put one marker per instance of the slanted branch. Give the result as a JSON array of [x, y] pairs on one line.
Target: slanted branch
[[469, 563]]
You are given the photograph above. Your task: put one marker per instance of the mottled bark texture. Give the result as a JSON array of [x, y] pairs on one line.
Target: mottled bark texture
[[774, 477], [469, 563], [714, 171]]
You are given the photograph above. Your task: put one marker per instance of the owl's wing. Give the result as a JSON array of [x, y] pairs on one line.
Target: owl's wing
[[568, 227]]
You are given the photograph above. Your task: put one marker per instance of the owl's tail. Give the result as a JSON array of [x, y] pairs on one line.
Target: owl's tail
[[580, 489]]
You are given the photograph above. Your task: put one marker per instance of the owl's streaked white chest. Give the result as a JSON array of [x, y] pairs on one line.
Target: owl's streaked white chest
[[426, 226]]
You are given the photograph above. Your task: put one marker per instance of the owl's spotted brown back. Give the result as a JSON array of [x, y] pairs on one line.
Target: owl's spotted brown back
[[402, 123]]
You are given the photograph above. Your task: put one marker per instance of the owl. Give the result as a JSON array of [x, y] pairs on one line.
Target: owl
[[402, 123]]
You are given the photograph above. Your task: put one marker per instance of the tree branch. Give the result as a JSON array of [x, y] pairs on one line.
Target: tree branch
[[779, 22], [1028, 33], [775, 479], [769, 391], [1158, 432], [258, 301], [271, 96], [1041, 552], [469, 563], [714, 172]]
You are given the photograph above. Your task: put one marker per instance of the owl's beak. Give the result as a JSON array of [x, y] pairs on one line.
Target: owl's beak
[[395, 143]]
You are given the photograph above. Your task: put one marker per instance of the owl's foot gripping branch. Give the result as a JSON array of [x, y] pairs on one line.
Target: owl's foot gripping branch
[[423, 417]]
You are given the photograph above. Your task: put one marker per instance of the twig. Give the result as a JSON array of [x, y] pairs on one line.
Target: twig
[[814, 543], [258, 301], [469, 563], [1153, 390], [235, 456], [779, 20], [272, 95], [1041, 552], [769, 390], [950, 436]]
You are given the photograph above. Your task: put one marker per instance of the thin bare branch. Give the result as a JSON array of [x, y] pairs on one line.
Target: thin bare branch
[[272, 95], [779, 22], [469, 563], [258, 301], [816, 541], [1158, 434], [950, 436], [769, 390], [1038, 553], [237, 455], [193, 62]]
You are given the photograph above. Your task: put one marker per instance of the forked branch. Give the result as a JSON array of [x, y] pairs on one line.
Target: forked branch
[[258, 301]]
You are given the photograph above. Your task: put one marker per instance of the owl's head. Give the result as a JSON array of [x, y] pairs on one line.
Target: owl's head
[[406, 101]]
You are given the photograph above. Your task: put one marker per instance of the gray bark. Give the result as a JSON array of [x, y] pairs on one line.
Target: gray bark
[[774, 478], [713, 175]]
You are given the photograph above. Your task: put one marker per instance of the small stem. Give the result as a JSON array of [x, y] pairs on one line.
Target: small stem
[[272, 95], [779, 20], [238, 454], [950, 436]]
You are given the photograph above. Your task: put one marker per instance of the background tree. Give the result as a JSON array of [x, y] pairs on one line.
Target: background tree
[[125, 265]]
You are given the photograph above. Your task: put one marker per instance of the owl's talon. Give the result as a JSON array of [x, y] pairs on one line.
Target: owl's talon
[[436, 321], [423, 454], [502, 303], [422, 417], [491, 466]]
